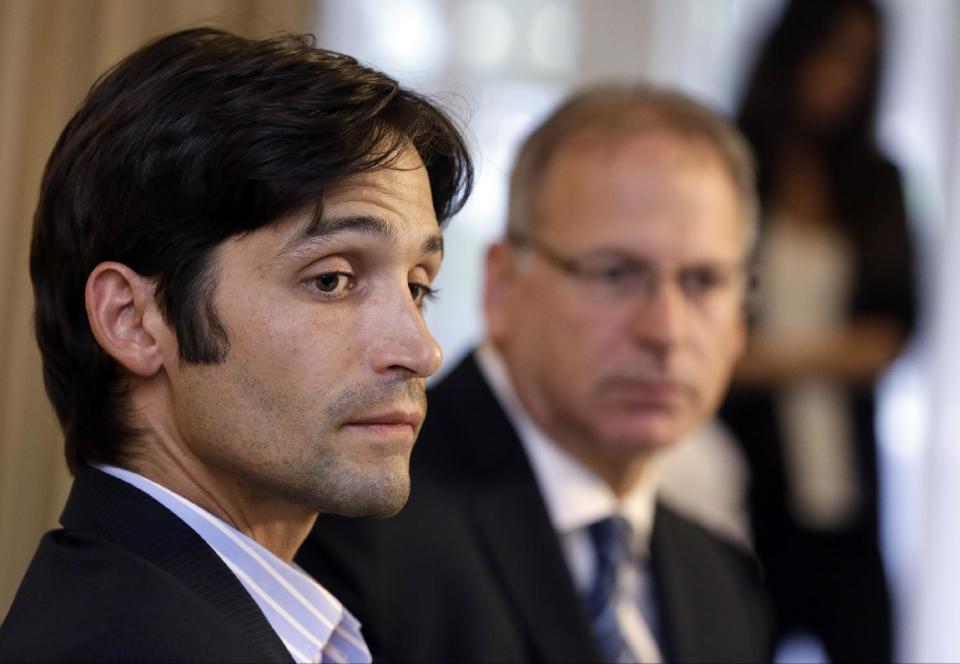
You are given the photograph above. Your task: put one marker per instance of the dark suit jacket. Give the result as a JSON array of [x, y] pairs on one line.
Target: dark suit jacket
[[472, 570], [126, 580]]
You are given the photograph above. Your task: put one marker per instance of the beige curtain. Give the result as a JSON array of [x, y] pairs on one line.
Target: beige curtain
[[50, 53]]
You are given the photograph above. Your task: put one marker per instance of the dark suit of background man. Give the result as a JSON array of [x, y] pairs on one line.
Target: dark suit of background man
[[614, 307], [230, 255]]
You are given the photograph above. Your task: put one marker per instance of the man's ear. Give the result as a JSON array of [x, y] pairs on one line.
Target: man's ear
[[742, 338], [125, 319], [498, 275]]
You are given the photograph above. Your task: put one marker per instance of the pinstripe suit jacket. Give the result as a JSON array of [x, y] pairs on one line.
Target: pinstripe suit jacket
[[126, 580]]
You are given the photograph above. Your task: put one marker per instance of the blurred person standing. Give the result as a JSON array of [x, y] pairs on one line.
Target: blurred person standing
[[835, 306], [614, 308]]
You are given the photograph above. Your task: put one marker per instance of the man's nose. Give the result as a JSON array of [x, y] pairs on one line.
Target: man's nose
[[659, 318], [404, 343]]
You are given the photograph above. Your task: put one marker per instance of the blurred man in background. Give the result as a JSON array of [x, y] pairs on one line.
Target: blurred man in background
[[230, 256], [615, 313]]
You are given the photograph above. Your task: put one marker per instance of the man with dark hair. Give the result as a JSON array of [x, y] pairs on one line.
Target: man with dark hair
[[615, 313], [230, 258]]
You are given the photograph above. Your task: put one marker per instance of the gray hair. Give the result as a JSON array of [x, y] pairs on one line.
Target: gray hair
[[618, 110]]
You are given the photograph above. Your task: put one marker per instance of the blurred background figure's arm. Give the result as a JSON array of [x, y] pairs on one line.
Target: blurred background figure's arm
[[857, 353]]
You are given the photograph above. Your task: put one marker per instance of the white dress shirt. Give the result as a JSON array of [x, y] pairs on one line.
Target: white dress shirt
[[808, 276]]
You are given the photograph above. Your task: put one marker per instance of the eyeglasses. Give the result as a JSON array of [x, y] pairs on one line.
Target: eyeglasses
[[619, 278]]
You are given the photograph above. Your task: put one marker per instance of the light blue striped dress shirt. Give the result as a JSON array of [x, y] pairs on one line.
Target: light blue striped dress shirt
[[313, 625]]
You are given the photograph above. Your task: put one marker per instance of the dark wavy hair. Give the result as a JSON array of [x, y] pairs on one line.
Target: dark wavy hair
[[196, 137]]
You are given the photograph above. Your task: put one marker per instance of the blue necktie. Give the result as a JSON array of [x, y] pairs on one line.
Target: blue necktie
[[610, 539]]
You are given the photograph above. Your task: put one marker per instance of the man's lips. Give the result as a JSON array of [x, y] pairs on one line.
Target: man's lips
[[648, 391], [394, 419], [391, 431]]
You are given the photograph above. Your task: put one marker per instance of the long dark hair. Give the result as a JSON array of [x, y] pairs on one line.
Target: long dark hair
[[770, 109]]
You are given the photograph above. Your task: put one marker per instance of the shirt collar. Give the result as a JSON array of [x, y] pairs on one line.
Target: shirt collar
[[575, 496], [313, 625]]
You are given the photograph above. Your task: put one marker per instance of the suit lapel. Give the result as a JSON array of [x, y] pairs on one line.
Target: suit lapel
[[527, 558], [114, 511], [676, 597], [699, 602], [513, 524]]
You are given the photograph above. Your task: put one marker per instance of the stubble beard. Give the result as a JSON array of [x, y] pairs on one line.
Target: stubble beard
[[330, 479], [331, 484]]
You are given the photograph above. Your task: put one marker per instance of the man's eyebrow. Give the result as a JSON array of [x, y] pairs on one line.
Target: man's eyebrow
[[317, 232], [433, 245], [367, 224]]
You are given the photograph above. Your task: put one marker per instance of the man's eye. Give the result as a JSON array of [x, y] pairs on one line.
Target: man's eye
[[332, 282], [615, 273], [699, 282], [421, 293]]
